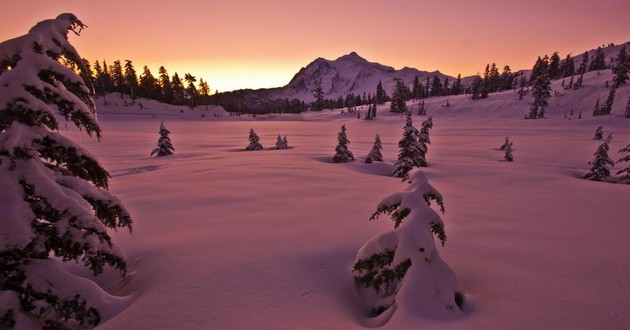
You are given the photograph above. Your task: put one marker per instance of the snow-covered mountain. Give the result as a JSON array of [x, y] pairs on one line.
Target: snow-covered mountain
[[347, 74], [350, 73]]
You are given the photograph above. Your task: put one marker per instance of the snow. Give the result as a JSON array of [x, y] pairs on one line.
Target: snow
[[226, 239]]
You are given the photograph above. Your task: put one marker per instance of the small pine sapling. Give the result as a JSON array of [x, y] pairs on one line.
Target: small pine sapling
[[375, 154], [164, 145], [624, 173], [401, 271], [599, 133], [505, 144], [282, 143], [508, 153], [254, 141], [601, 163], [343, 154]]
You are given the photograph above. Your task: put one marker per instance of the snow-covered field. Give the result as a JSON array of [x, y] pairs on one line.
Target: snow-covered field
[[229, 239]]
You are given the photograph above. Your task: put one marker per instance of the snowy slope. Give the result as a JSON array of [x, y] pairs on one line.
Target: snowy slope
[[228, 239]]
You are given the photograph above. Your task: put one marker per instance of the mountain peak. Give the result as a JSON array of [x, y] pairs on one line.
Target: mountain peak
[[352, 56]]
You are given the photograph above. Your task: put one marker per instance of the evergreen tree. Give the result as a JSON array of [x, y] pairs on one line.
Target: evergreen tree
[[621, 68], [164, 145], [599, 133], [318, 94], [505, 144], [166, 87], [599, 61], [204, 92], [436, 86], [399, 98], [554, 66], [415, 91], [343, 154], [597, 110], [568, 67], [178, 89], [375, 154], [381, 96], [254, 141], [131, 79], [54, 201], [148, 86], [282, 143], [476, 88], [508, 152], [423, 139], [624, 174], [583, 65], [607, 108], [191, 90], [410, 154], [421, 110], [118, 77], [541, 91], [507, 78], [457, 86], [401, 271], [601, 163]]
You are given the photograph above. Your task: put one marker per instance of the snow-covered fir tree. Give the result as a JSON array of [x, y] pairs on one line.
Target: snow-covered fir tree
[[401, 271], [399, 97], [254, 141], [421, 109], [164, 145], [601, 163], [53, 196], [621, 68], [424, 139], [624, 173], [508, 152], [375, 154], [597, 110], [410, 155], [505, 144], [599, 133], [541, 91], [607, 108], [343, 154], [282, 143]]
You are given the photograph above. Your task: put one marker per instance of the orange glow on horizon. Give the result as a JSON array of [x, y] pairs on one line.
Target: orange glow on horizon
[[247, 44]]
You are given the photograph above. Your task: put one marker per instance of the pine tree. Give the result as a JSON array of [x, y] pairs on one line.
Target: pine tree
[[410, 154], [381, 96], [131, 79], [318, 94], [254, 141], [178, 89], [282, 144], [541, 90], [399, 98], [599, 133], [621, 68], [624, 174], [607, 108], [601, 163], [421, 110], [164, 145], [597, 110], [375, 154], [191, 90], [508, 152], [599, 61], [476, 88], [165, 84], [401, 270], [204, 91], [54, 201], [582, 68], [423, 140], [554, 66], [505, 144], [343, 154]]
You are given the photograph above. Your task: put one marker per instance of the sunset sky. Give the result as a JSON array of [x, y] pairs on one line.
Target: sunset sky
[[252, 44]]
